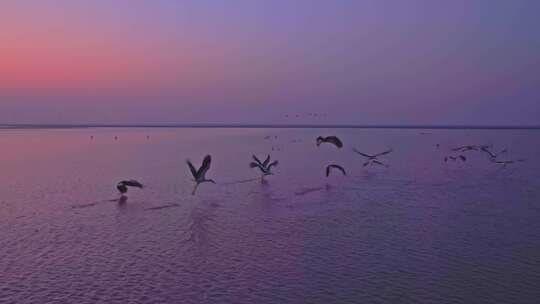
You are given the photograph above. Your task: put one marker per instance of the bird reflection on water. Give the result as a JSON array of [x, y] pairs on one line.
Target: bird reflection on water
[[122, 201], [200, 218]]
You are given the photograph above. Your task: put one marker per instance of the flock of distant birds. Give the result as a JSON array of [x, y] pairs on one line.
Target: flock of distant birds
[[265, 167], [492, 156]]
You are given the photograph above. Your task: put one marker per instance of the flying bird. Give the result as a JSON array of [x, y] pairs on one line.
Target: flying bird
[[331, 140], [334, 166], [199, 176], [373, 159], [123, 185], [265, 167]]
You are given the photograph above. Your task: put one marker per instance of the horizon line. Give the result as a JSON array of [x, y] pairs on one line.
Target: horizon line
[[261, 126]]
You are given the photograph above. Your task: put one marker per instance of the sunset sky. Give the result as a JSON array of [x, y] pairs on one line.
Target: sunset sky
[[255, 61]]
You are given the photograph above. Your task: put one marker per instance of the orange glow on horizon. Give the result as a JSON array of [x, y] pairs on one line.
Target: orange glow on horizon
[[69, 59]]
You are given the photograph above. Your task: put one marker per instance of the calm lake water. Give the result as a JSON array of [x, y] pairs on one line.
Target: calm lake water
[[419, 231]]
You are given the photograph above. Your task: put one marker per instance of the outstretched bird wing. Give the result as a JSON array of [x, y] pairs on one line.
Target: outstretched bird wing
[[468, 148], [255, 165], [192, 169], [335, 140], [132, 183], [329, 168], [257, 160], [331, 140], [486, 149], [363, 154], [266, 161], [274, 163], [379, 163], [205, 166], [384, 153]]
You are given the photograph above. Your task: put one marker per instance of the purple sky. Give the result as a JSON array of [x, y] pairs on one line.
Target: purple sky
[[251, 61]]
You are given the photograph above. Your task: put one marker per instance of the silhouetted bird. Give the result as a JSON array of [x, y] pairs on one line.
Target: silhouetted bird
[[200, 175], [333, 166], [265, 167], [123, 185], [373, 158], [331, 140]]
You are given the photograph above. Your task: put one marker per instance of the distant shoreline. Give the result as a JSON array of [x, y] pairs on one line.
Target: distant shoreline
[[265, 126]]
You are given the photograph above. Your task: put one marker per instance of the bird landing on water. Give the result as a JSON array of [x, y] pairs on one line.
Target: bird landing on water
[[124, 185], [199, 176], [265, 167]]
